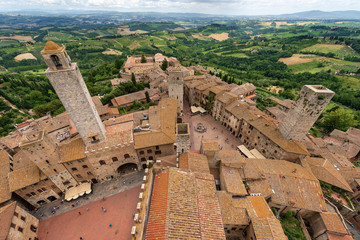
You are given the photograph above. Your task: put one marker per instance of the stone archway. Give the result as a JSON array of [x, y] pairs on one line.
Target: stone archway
[[127, 168]]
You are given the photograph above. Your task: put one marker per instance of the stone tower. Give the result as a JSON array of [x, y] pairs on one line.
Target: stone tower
[[69, 85], [42, 151], [312, 100], [176, 85]]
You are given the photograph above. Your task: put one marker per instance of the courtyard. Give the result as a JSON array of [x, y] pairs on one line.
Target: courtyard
[[214, 130], [92, 223]]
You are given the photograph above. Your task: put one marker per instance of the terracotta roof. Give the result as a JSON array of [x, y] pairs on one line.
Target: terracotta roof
[[11, 140], [5, 193], [226, 97], [139, 96], [286, 103], [232, 181], [113, 111], [184, 206], [293, 184], [24, 177], [60, 121], [205, 86], [233, 210], [162, 120], [194, 162], [72, 150], [209, 145], [100, 108], [333, 223], [230, 158], [337, 237], [51, 47], [276, 112], [243, 89], [123, 118], [326, 172], [6, 215]]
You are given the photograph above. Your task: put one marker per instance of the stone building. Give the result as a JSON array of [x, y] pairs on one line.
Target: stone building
[[128, 99], [28, 182], [69, 85], [16, 223], [42, 151], [210, 148], [301, 117], [5, 193], [176, 85]]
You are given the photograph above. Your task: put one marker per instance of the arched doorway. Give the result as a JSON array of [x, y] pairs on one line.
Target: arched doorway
[[127, 168]]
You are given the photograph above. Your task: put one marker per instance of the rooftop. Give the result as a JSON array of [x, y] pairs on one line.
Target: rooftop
[[292, 184], [71, 150], [333, 223], [51, 47], [139, 96], [231, 158], [5, 193], [6, 215], [194, 162], [24, 177], [209, 145], [184, 205], [231, 179]]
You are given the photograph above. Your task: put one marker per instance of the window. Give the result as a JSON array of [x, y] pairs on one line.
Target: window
[[157, 147], [126, 155], [16, 214], [89, 173], [79, 176], [141, 152], [143, 159], [151, 158], [85, 166], [56, 60], [115, 159], [40, 191], [47, 161], [12, 225], [66, 182], [23, 218], [74, 169], [33, 194], [33, 228], [234, 228], [102, 162], [20, 229], [157, 152], [81, 160], [149, 151], [29, 195], [55, 170]]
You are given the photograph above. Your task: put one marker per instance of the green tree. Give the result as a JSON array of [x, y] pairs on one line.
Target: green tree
[[118, 64], [338, 119], [147, 96], [164, 64], [133, 79], [143, 59]]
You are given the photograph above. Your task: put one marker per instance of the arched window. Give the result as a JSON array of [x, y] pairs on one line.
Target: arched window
[[141, 152], [126, 155], [102, 162], [151, 158], [143, 159], [149, 151], [114, 159], [56, 60]]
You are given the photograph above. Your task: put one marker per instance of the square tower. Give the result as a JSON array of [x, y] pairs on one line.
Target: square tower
[[176, 85], [311, 102], [69, 85]]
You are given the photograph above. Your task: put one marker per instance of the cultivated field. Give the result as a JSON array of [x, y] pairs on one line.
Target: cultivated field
[[220, 37], [338, 50], [24, 56], [112, 52], [126, 31], [19, 38], [299, 58]]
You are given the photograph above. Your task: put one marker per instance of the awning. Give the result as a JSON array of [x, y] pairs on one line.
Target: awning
[[197, 109], [75, 192]]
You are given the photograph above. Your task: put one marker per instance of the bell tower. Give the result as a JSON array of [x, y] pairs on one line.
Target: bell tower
[[69, 85], [176, 85]]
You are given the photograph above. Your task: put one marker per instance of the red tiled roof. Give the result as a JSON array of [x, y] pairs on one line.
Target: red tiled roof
[[158, 208], [6, 215]]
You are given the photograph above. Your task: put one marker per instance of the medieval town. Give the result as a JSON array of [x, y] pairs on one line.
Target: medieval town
[[203, 163]]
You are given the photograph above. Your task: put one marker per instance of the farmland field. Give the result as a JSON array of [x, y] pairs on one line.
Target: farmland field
[[338, 50]]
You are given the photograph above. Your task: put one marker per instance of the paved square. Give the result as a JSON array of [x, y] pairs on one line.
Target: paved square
[[93, 224]]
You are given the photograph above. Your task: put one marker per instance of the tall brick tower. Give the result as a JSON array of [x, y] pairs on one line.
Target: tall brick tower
[[176, 85], [301, 117], [69, 85]]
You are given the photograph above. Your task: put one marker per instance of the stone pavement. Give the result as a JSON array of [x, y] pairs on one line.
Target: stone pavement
[[214, 131], [99, 191]]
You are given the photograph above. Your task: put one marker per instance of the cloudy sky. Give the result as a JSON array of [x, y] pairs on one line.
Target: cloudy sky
[[233, 7]]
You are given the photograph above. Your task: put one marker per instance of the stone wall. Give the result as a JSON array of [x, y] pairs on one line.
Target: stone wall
[[23, 225]]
